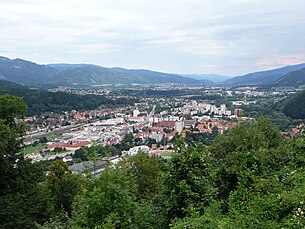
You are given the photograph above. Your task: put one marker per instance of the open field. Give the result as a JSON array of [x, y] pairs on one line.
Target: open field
[[31, 149]]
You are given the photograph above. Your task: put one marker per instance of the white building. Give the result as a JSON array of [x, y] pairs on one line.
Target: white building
[[135, 113], [223, 108], [213, 108], [179, 126], [136, 149]]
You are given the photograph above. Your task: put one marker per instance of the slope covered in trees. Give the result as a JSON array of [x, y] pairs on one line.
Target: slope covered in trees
[[40, 101], [294, 106], [29, 73], [249, 177], [295, 78], [264, 77]]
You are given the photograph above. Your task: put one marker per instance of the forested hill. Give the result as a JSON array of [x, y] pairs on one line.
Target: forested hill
[[295, 78], [294, 106], [29, 73], [7, 85], [263, 77], [40, 101]]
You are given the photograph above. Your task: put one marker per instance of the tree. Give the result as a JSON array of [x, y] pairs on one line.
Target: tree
[[245, 148], [187, 185], [11, 131], [106, 202], [22, 199], [144, 171], [64, 186], [13, 108], [43, 139]]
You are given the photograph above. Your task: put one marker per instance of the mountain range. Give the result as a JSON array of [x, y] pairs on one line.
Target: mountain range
[[29, 73], [270, 77], [294, 78]]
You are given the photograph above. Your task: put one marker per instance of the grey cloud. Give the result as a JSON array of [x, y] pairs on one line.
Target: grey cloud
[[190, 36]]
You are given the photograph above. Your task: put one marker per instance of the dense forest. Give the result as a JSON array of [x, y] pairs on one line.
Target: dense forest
[[294, 106], [40, 101], [250, 177]]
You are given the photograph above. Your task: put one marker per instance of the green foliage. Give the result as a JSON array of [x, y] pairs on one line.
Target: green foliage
[[187, 183], [22, 209], [270, 110], [54, 223], [57, 170], [97, 151], [294, 106], [22, 199], [282, 113], [245, 151], [122, 197], [12, 108], [64, 186], [11, 161], [108, 200], [250, 177], [148, 214], [197, 138], [144, 171], [43, 139], [212, 218], [260, 181]]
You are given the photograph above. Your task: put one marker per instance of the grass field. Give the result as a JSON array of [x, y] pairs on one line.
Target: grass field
[[167, 155], [31, 149]]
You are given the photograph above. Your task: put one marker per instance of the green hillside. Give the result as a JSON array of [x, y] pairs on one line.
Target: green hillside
[[295, 78], [92, 75], [263, 77], [294, 106], [24, 72], [40, 101], [29, 73]]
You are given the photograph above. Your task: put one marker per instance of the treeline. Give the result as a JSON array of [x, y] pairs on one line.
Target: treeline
[[40, 101], [285, 113], [250, 177]]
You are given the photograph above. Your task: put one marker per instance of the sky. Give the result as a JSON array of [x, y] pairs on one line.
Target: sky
[[229, 37]]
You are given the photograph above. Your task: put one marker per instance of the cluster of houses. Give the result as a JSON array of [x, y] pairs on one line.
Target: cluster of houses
[[49, 122]]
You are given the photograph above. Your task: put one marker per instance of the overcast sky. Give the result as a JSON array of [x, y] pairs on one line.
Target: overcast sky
[[230, 37]]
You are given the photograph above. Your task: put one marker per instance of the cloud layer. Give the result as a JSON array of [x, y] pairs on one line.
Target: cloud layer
[[183, 36]]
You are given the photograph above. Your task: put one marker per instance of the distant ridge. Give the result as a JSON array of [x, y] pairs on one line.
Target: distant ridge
[[29, 73], [93, 74], [63, 74], [263, 77], [24, 72], [295, 78]]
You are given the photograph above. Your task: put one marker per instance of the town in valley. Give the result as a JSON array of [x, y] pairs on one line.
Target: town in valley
[[160, 115]]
